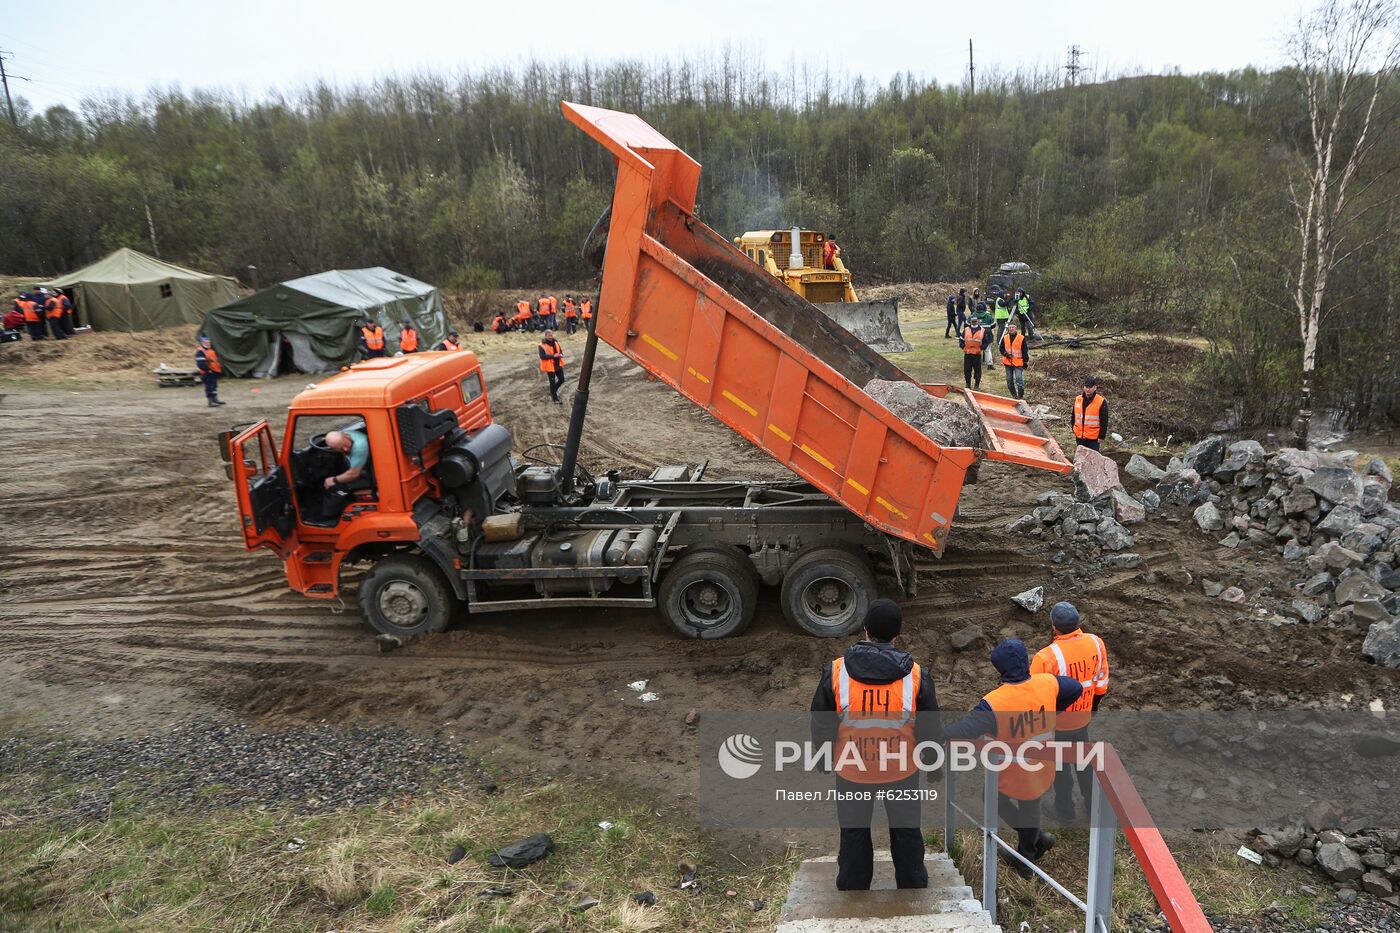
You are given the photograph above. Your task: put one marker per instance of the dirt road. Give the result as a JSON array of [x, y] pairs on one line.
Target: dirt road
[[129, 601]]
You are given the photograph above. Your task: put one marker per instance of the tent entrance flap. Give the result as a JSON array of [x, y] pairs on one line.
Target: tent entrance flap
[[287, 353]]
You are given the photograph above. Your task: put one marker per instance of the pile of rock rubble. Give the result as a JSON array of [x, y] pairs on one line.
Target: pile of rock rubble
[[1327, 512], [1365, 860]]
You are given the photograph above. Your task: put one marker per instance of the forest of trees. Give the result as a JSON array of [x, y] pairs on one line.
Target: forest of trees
[[1152, 201]]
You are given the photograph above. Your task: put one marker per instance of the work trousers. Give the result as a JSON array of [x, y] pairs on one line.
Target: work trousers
[[1066, 777], [556, 379], [372, 354], [1001, 329], [570, 325], [855, 860], [955, 325], [1016, 381], [36, 330], [56, 328], [68, 324], [1024, 817], [1080, 442], [211, 384], [972, 370]]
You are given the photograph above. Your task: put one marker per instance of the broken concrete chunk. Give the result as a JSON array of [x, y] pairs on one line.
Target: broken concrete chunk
[[1031, 600]]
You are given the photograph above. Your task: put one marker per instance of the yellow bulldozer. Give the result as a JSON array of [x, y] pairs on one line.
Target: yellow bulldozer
[[802, 269]]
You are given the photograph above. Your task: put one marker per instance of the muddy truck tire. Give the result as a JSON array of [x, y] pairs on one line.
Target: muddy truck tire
[[827, 590], [405, 595], [710, 592]]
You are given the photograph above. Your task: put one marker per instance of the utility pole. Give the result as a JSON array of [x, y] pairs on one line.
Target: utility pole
[[5, 80], [1073, 68], [971, 76]]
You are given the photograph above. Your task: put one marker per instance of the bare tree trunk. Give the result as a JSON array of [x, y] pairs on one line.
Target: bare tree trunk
[[151, 227]]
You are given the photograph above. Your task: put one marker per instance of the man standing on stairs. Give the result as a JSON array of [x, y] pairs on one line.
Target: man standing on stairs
[[1079, 655], [1022, 709], [876, 693]]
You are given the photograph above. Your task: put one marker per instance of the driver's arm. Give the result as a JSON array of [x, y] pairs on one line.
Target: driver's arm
[[349, 476]]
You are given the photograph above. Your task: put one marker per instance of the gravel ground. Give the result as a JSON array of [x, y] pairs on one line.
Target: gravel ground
[[201, 764]]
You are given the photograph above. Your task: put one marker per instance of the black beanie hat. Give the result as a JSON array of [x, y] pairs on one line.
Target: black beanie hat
[[883, 620]]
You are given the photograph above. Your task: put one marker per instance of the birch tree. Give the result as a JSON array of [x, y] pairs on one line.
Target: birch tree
[[1344, 53]]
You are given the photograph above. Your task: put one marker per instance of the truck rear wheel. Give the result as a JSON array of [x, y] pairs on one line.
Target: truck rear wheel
[[827, 591], [710, 593], [405, 595]]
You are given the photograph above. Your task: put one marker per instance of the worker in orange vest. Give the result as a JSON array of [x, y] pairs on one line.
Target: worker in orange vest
[[408, 338], [1077, 654], [971, 339], [586, 313], [53, 310], [33, 316], [1089, 420], [1022, 709], [570, 315], [522, 314], [371, 339], [830, 250], [551, 320], [450, 342], [207, 360], [552, 364], [499, 324], [872, 697], [1014, 357]]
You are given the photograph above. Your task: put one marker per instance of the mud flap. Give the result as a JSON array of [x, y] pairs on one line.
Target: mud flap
[[874, 322]]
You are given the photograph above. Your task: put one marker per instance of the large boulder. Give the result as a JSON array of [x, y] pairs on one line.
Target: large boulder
[[1179, 487], [1208, 517], [1250, 451], [1337, 558], [1205, 455], [1374, 494], [1382, 643], [1318, 584], [1144, 469], [1365, 539], [1096, 473], [1339, 861], [1377, 467], [1150, 500], [1126, 509], [1339, 521], [1337, 485], [1113, 536], [1299, 501], [1292, 460], [1356, 587]]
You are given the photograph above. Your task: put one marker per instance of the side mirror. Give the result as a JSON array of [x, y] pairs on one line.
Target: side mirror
[[225, 439]]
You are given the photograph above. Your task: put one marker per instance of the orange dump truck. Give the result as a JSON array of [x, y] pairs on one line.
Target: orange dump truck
[[398, 467]]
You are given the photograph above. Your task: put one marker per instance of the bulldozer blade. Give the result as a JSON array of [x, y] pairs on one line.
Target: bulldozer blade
[[874, 322]]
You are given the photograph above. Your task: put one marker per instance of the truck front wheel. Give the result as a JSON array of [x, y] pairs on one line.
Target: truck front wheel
[[827, 591], [710, 593], [405, 595]]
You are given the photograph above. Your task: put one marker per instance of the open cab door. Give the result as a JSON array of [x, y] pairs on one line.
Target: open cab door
[[261, 485]]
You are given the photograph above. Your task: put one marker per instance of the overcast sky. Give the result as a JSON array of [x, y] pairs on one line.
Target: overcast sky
[[71, 48]]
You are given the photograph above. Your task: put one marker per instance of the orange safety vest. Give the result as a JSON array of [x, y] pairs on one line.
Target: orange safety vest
[[522, 309], [498, 323], [588, 309], [374, 337], [53, 308], [211, 359], [31, 311], [553, 305], [972, 340], [1086, 417], [877, 721], [1082, 657], [570, 309], [449, 344], [1013, 351], [1025, 712], [408, 340], [551, 348]]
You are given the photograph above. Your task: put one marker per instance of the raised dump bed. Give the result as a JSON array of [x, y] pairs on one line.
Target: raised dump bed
[[689, 307]]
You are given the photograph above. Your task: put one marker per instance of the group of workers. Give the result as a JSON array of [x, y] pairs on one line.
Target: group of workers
[[877, 693], [374, 343], [43, 313], [983, 331], [544, 315]]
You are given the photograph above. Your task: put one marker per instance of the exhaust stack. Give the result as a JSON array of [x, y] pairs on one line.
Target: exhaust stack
[[795, 257]]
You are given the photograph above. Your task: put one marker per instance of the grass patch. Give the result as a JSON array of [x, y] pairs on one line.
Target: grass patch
[[379, 868]]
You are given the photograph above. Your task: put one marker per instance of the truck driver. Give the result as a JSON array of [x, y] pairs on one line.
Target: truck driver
[[355, 445]]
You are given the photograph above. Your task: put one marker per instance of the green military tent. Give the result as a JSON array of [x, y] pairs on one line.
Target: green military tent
[[132, 291], [309, 324]]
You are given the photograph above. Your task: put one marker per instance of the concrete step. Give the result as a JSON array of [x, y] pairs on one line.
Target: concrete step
[[947, 905]]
